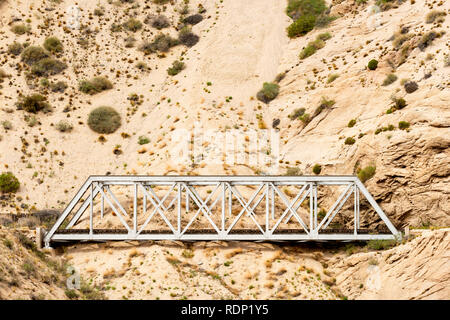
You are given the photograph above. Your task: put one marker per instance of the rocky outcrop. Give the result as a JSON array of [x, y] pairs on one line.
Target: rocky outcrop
[[418, 269]]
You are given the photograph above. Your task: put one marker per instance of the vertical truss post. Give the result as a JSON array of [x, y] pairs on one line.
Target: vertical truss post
[[267, 209], [355, 217], [357, 206], [223, 206], [102, 204], [315, 205], [187, 199], [91, 212], [230, 201], [273, 203], [311, 207], [135, 204], [179, 209], [144, 201]]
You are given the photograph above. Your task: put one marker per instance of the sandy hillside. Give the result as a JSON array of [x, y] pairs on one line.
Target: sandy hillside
[[331, 110]]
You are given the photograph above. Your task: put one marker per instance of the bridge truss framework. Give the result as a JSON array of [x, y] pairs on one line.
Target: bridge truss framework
[[266, 188]]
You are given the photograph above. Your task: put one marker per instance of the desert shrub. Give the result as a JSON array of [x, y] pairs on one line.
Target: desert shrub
[[161, 43], [366, 173], [142, 66], [104, 120], [349, 141], [15, 48], [381, 244], [99, 12], [400, 39], [311, 48], [275, 122], [268, 92], [133, 25], [96, 85], [160, 22], [9, 183], [129, 42], [297, 113], [33, 54], [306, 118], [293, 171], [390, 78], [432, 15], [7, 125], [410, 86], [48, 67], [399, 103], [53, 44], [324, 104], [160, 1], [143, 140], [187, 37], [403, 125], [324, 36], [33, 103], [324, 20], [116, 27], [64, 126], [351, 123], [317, 168], [71, 294], [59, 86], [373, 64], [332, 77], [193, 19], [301, 26], [20, 29], [297, 8], [426, 40], [176, 68]]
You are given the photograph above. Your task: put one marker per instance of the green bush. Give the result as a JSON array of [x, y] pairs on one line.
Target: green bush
[[193, 19], [297, 113], [349, 141], [176, 68], [33, 103], [390, 78], [324, 20], [104, 120], [15, 48], [403, 125], [143, 140], [399, 103], [432, 15], [53, 44], [96, 85], [47, 67], [317, 168], [373, 64], [366, 173], [9, 183], [161, 43], [160, 22], [187, 37], [427, 39], [33, 54], [296, 8], [59, 86], [301, 26], [332, 77], [269, 92], [20, 29], [381, 244], [133, 25], [410, 86], [293, 171], [311, 48], [351, 123], [64, 126]]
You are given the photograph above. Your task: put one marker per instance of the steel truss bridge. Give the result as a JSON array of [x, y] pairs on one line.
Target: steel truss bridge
[[216, 208]]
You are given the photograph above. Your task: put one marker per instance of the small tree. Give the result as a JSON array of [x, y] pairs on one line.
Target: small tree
[[9, 183]]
